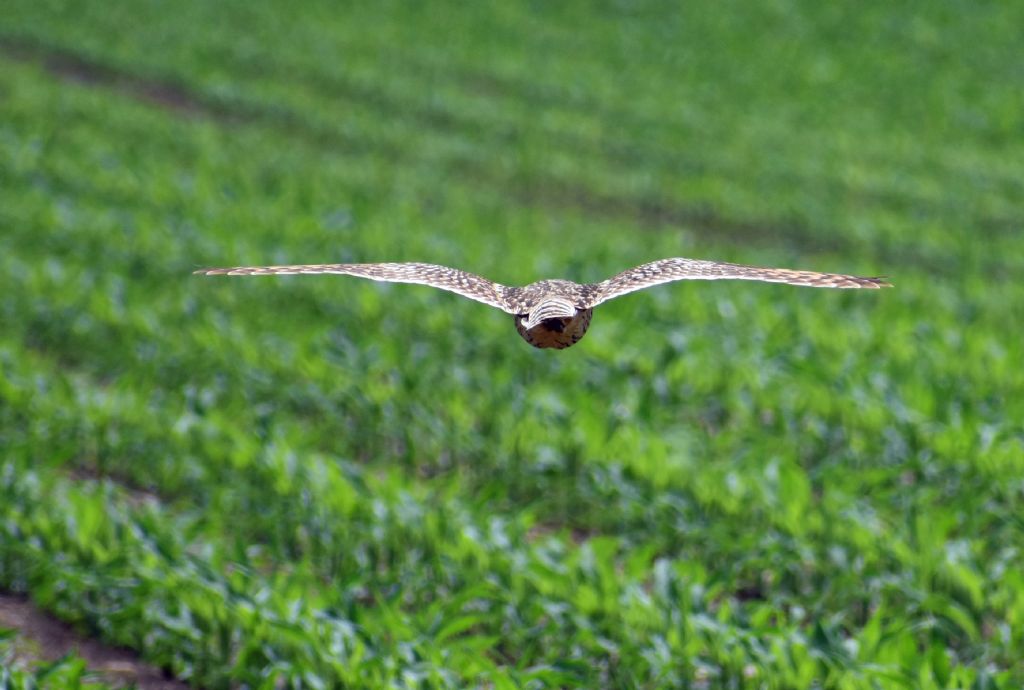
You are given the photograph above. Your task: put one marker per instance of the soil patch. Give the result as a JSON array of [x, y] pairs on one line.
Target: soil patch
[[45, 638]]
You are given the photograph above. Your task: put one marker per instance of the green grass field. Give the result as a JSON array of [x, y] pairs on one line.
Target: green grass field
[[325, 482]]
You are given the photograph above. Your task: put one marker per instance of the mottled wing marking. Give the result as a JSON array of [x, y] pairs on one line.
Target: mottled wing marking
[[442, 277], [668, 270], [585, 295], [516, 301]]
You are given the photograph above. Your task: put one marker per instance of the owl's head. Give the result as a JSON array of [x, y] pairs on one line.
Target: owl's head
[[554, 323]]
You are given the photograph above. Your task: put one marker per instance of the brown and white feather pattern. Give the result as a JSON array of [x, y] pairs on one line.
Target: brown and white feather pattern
[[451, 279], [556, 313], [669, 270]]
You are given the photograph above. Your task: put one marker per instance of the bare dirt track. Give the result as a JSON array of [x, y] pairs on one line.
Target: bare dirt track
[[44, 638]]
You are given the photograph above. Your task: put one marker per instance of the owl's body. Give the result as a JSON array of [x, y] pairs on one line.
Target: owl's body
[[557, 313]]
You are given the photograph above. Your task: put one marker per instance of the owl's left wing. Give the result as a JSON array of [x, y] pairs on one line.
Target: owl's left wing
[[668, 270], [442, 277]]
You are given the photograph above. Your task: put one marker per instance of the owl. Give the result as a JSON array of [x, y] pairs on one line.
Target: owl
[[557, 313]]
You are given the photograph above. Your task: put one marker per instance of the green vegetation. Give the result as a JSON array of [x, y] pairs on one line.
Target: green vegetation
[[312, 482]]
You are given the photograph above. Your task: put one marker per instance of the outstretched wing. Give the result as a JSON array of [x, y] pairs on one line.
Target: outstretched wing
[[451, 279], [668, 270]]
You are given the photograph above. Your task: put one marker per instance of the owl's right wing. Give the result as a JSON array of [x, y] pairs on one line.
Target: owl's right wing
[[442, 277], [668, 270]]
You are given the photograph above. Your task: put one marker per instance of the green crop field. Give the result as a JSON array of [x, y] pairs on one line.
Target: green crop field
[[318, 482]]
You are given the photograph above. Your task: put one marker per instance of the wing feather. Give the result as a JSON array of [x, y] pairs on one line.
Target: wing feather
[[442, 277], [668, 270]]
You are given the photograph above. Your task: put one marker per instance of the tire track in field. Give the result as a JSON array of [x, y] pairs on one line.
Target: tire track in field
[[167, 94], [170, 93], [49, 639]]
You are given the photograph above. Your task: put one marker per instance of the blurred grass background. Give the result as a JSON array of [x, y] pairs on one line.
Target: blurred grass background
[[320, 482]]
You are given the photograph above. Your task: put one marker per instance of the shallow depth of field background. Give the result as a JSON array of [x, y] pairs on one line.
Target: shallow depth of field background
[[321, 481]]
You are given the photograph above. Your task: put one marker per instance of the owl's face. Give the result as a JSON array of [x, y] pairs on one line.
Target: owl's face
[[557, 332]]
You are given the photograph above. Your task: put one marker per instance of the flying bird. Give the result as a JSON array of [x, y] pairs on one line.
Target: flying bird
[[556, 313]]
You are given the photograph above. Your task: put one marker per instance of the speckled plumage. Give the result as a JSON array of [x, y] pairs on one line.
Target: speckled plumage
[[557, 313]]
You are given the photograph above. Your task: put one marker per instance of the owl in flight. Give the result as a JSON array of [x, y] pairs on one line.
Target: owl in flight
[[556, 313]]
